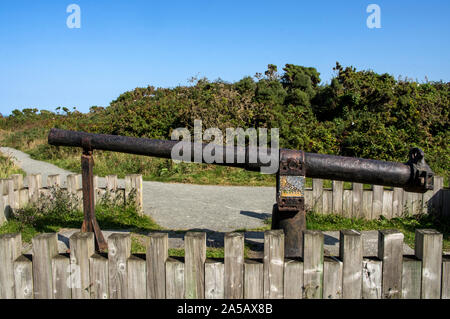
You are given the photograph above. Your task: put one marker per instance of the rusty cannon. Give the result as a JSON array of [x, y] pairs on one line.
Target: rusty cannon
[[293, 166]]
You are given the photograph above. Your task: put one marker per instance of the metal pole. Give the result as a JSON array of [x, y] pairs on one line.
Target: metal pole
[[90, 222]]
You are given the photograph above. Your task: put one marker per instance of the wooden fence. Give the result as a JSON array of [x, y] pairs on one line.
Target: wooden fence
[[356, 202], [120, 274], [377, 201], [14, 194]]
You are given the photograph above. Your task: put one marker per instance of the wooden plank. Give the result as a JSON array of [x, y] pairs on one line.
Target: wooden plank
[[214, 279], [194, 269], [119, 250], [371, 278], [428, 248], [23, 277], [338, 193], [411, 277], [133, 188], [273, 264], [34, 184], [45, 247], [327, 204], [436, 200], [81, 249], [253, 279], [388, 196], [137, 278], [417, 203], [312, 264], [61, 277], [73, 184], [10, 250], [157, 254], [111, 183], [445, 294], [390, 252], [317, 195], [174, 279], [18, 181], [23, 198], [54, 180], [347, 203], [377, 202], [234, 265], [13, 197], [408, 203], [367, 204], [351, 254], [357, 200], [98, 268], [397, 200], [309, 205], [332, 278], [293, 279]]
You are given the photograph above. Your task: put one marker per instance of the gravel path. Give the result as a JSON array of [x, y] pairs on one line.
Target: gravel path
[[183, 206]]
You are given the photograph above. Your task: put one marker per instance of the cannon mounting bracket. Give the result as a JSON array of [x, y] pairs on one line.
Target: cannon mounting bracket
[[291, 181], [421, 173]]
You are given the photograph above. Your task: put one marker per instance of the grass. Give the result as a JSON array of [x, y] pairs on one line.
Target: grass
[[8, 168]]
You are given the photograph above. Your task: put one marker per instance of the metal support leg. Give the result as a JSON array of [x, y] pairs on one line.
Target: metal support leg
[[288, 213], [90, 222]]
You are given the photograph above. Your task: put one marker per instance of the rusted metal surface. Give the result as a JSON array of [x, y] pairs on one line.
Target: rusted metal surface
[[409, 176], [90, 221]]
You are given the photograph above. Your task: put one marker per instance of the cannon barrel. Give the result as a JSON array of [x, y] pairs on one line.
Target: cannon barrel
[[414, 176]]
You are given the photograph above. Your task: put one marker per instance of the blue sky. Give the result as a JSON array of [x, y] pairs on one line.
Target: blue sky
[[126, 44]]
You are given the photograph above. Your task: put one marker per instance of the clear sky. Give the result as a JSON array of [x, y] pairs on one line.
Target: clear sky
[[123, 44]]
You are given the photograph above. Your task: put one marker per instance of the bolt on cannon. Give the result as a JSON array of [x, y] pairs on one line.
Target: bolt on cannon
[[294, 166]]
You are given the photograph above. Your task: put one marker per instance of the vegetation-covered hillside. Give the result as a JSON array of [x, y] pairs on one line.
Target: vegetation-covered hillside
[[359, 113]]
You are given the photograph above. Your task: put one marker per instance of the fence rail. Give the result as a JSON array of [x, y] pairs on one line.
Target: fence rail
[[14, 195], [119, 274], [356, 202], [377, 201]]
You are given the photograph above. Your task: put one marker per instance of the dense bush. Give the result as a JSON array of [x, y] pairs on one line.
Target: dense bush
[[359, 113]]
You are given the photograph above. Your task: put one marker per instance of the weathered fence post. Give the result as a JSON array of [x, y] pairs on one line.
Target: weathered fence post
[[23, 277], [174, 279], [133, 182], [357, 200], [313, 264], [10, 249], [351, 254], [194, 268], [377, 201], [82, 247], [293, 279], [98, 271], [54, 180], [234, 265], [119, 250], [428, 248], [390, 251], [157, 254], [317, 195], [332, 278], [371, 280], [137, 278], [214, 279], [253, 279], [34, 185], [61, 277], [445, 277], [338, 193], [273, 264], [45, 247], [411, 277]]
